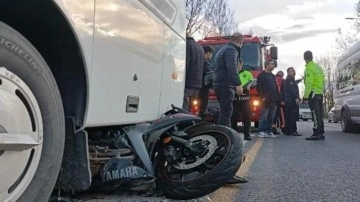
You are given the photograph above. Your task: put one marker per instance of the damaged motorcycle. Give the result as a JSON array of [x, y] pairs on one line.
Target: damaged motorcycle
[[178, 155]]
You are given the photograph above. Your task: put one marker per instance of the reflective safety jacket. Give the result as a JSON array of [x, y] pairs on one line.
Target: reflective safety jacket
[[314, 79], [246, 79]]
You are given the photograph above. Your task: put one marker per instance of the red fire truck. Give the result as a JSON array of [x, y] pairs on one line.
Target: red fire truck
[[254, 52]]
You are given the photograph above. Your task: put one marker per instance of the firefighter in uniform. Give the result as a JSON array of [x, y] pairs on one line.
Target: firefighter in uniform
[[241, 103]]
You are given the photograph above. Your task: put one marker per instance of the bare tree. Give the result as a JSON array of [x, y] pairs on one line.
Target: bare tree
[[344, 41], [357, 10], [328, 63], [197, 14], [209, 17], [223, 18], [230, 25]]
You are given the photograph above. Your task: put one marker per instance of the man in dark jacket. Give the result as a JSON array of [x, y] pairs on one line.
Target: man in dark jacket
[[266, 86], [226, 79], [292, 101], [194, 71], [204, 91]]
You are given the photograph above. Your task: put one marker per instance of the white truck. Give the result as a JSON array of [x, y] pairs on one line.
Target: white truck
[[347, 89], [70, 67]]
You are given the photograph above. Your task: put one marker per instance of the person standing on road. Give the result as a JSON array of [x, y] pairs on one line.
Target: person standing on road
[[314, 88], [194, 71], [279, 119], [207, 80], [266, 86], [241, 102], [226, 81], [292, 102]]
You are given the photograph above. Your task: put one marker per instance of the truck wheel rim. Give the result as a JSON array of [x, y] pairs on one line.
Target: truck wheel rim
[[21, 136]]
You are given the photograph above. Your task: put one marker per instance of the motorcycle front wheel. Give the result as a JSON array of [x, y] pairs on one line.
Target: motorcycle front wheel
[[193, 176]]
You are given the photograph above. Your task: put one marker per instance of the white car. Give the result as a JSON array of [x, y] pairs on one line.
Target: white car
[[331, 114], [304, 112]]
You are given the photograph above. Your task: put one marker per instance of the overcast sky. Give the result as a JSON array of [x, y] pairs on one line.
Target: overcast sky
[[296, 25]]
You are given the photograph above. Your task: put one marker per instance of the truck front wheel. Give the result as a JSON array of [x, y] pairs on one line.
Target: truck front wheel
[[32, 129], [346, 125]]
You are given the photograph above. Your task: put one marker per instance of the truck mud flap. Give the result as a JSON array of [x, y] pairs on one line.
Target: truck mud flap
[[75, 171]]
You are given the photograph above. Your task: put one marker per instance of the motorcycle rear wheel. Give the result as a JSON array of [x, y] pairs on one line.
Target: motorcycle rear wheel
[[207, 173]]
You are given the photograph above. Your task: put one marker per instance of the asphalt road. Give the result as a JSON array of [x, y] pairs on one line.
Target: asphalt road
[[293, 169], [289, 169]]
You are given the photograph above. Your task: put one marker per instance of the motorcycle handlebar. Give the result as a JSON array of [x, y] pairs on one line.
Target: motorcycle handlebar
[[176, 109]]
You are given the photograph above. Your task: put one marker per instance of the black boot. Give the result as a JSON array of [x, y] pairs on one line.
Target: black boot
[[322, 137], [313, 137], [237, 180]]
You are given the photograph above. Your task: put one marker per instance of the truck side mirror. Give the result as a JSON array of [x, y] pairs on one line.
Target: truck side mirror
[[274, 53]]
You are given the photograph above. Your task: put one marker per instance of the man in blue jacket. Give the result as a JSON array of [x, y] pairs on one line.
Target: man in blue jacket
[[227, 83], [226, 78]]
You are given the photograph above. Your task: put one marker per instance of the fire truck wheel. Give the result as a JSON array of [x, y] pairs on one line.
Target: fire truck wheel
[[32, 128]]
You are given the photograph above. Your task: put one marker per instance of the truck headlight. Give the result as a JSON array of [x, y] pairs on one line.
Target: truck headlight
[[256, 103]]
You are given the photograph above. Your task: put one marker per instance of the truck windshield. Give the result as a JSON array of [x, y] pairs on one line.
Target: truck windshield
[[250, 54]]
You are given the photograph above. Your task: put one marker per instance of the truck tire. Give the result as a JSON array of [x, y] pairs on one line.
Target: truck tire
[[32, 116], [346, 125]]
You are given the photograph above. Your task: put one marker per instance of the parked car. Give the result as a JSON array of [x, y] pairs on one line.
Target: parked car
[[304, 112], [331, 115], [347, 90]]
